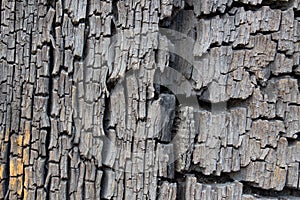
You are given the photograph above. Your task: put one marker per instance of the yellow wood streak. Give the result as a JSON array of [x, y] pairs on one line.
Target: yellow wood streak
[[6, 138], [1, 172], [19, 185], [13, 167], [19, 166], [20, 145], [26, 153], [26, 140]]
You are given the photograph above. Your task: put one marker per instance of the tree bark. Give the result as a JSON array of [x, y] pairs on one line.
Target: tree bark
[[149, 99]]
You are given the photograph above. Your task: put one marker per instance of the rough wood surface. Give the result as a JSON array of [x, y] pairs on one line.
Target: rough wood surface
[[97, 103]]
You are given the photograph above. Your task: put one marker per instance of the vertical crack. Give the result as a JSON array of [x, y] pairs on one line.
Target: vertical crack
[[7, 154]]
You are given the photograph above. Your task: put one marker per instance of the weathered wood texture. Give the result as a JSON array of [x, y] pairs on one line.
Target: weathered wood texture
[[86, 111]]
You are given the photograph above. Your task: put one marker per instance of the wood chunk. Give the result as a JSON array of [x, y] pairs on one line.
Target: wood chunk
[[79, 38], [165, 160], [282, 64], [162, 115], [184, 139], [167, 191], [292, 121], [292, 175], [237, 126], [108, 184]]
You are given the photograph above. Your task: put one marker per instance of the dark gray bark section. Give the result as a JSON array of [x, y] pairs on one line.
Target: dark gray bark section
[[149, 99]]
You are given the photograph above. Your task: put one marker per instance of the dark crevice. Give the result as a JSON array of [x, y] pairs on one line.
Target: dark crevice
[[49, 104], [291, 141], [204, 104], [85, 51], [267, 118], [296, 13], [7, 165], [106, 116], [124, 191], [115, 11], [263, 33], [0, 12], [46, 167], [201, 178], [163, 90], [258, 192], [112, 83], [281, 5], [188, 6], [50, 3], [86, 34], [181, 65], [167, 21], [222, 106], [293, 104], [217, 44], [232, 8], [113, 27], [241, 47], [50, 87], [237, 103], [83, 184], [284, 75], [47, 189]]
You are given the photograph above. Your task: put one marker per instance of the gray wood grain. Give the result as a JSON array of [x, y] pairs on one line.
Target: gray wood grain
[[97, 99]]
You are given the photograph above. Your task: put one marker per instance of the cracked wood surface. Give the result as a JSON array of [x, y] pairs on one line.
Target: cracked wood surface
[[97, 103]]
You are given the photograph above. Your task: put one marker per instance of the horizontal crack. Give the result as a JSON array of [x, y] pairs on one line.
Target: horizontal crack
[[251, 189]]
